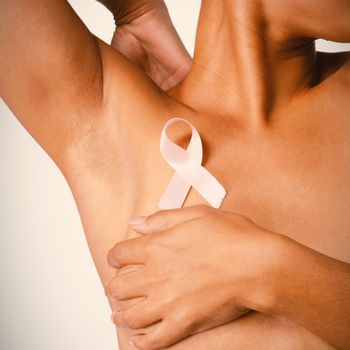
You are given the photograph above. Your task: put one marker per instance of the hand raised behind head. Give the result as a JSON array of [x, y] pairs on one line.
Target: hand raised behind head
[[146, 36]]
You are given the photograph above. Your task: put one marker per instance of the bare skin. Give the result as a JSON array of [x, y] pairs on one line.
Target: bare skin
[[273, 117], [198, 267]]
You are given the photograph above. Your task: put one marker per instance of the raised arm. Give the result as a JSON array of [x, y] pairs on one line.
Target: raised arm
[[50, 70], [305, 21], [310, 19], [56, 76], [145, 35]]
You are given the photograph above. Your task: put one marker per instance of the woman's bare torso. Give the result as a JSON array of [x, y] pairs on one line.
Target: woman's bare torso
[[100, 118], [290, 177]]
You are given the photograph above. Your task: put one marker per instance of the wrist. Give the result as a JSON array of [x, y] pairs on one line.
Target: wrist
[[263, 293], [127, 11]]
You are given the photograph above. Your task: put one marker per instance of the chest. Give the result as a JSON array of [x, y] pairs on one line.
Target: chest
[[292, 178]]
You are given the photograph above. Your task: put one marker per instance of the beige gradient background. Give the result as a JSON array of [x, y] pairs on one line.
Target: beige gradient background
[[50, 296]]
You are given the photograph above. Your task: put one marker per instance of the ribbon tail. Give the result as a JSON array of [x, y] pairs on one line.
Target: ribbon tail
[[175, 193], [205, 183]]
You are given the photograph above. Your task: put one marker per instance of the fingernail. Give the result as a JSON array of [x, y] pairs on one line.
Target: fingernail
[[131, 343], [138, 220]]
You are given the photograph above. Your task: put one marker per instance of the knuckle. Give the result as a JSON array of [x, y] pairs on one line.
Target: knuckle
[[153, 246], [203, 210], [129, 320], [150, 342], [141, 345], [149, 247], [184, 320], [157, 216], [118, 319], [113, 289], [203, 207], [242, 220], [168, 299], [110, 258], [160, 218], [109, 289], [161, 212], [190, 324], [114, 255]]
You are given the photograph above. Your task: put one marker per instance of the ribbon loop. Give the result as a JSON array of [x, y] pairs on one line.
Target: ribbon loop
[[188, 171]]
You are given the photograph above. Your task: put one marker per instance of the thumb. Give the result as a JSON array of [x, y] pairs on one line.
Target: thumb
[[165, 219]]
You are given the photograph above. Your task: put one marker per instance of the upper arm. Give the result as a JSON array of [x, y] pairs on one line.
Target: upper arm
[[50, 69], [326, 19]]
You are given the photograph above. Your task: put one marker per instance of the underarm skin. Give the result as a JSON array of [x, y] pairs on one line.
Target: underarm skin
[[35, 87]]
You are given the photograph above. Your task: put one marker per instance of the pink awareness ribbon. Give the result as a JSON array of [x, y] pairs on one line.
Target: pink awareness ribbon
[[188, 171]]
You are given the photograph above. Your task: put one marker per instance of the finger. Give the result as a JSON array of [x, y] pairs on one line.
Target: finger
[[129, 285], [119, 305], [128, 252], [128, 268], [160, 336], [143, 314], [165, 219]]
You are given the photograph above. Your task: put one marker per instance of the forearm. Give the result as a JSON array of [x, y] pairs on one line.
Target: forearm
[[253, 331], [313, 290]]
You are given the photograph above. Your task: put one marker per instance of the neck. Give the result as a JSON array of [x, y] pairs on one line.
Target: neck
[[239, 68]]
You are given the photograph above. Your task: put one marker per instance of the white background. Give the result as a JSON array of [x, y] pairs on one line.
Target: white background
[[50, 296]]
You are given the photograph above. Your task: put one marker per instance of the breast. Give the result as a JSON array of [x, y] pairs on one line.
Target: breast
[[282, 179], [276, 178], [278, 183]]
